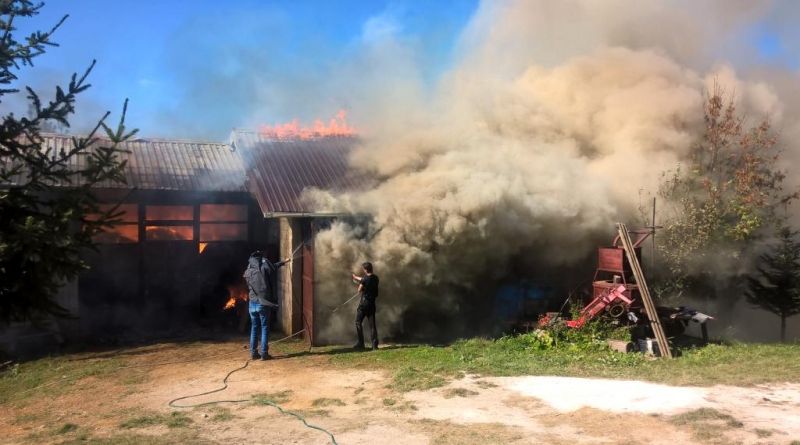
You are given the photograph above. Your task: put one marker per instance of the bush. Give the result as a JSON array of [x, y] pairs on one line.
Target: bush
[[590, 336]]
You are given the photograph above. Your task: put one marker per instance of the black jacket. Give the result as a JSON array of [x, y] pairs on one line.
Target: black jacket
[[259, 280]]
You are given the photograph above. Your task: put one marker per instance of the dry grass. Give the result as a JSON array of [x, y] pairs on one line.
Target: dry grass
[[708, 425], [483, 384], [277, 397], [459, 392], [762, 433], [593, 422], [177, 419], [322, 402], [308, 413], [220, 414], [448, 433]]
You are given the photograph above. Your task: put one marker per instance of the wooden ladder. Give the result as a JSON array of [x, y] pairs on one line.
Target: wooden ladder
[[649, 306]]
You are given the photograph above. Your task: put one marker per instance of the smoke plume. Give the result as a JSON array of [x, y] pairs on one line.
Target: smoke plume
[[529, 149]]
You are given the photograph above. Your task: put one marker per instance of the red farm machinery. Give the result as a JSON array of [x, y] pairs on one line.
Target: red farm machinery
[[619, 293]]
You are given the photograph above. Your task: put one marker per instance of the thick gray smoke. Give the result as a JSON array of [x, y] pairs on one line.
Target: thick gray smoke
[[540, 138]]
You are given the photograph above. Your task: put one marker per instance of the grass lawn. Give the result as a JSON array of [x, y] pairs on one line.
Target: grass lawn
[[422, 367], [119, 374]]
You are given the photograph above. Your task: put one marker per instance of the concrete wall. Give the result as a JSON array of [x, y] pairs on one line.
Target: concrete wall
[[290, 280]]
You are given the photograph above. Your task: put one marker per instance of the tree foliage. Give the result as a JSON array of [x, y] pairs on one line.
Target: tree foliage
[[48, 211], [776, 287], [731, 194]]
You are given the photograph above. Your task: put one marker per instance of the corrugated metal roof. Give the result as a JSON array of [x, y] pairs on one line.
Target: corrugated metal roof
[[279, 170], [169, 164]]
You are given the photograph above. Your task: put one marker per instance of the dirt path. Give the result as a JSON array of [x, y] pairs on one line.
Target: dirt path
[[356, 406]]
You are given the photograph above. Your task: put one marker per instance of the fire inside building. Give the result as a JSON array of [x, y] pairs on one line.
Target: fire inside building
[[193, 211]]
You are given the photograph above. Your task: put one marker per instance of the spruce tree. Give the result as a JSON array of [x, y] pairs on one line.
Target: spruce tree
[[776, 288], [49, 212]]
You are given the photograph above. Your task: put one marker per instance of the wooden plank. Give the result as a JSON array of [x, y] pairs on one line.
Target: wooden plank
[[308, 280], [650, 307]]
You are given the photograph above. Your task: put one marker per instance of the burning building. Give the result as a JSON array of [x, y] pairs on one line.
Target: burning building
[[280, 168], [188, 225], [193, 211]]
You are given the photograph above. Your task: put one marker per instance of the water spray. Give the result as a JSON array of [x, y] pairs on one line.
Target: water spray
[[345, 303], [295, 256], [294, 252]]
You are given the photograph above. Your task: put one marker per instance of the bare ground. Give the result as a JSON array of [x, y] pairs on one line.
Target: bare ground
[[358, 408]]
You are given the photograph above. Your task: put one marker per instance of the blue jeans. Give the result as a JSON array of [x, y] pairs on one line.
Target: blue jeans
[[259, 320]]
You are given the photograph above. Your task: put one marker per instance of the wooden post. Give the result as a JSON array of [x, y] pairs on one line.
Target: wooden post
[[649, 306]]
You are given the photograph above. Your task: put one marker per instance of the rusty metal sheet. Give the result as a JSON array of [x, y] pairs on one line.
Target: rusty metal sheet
[[279, 170], [170, 164]]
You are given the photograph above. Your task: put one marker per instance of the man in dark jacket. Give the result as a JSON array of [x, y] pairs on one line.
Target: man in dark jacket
[[368, 286], [261, 300]]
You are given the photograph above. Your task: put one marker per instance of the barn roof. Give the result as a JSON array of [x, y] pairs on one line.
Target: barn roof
[[279, 170], [167, 164]]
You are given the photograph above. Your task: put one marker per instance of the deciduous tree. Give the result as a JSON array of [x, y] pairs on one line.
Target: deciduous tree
[[728, 195]]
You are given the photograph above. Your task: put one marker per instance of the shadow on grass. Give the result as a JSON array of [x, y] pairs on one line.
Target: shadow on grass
[[343, 350]]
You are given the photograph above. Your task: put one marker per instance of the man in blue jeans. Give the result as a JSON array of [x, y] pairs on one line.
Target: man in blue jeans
[[262, 300]]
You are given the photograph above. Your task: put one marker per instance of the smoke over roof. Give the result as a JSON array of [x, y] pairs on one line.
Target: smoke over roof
[[554, 119]]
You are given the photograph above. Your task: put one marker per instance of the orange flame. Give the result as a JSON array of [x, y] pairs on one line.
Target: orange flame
[[336, 127], [235, 293], [231, 303], [203, 247]]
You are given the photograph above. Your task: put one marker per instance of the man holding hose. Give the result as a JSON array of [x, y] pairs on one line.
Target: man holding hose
[[368, 287], [261, 300]]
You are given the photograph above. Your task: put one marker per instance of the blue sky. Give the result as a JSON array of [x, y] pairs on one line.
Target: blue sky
[[160, 52], [191, 68]]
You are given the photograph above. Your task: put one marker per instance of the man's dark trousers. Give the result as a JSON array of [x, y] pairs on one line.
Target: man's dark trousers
[[368, 311]]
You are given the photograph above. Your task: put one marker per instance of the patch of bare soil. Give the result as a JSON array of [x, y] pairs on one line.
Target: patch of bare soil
[[356, 406]]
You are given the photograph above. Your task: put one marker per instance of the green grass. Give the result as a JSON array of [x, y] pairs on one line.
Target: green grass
[[389, 402], [409, 378], [321, 402], [58, 374], [138, 439], [221, 414], [176, 419], [142, 421], [135, 379], [426, 367], [482, 384], [277, 397]]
